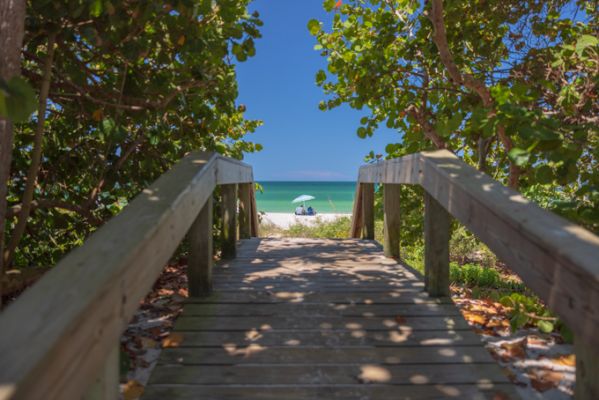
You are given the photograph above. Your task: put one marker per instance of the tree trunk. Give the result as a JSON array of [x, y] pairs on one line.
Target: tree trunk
[[470, 82], [36, 154], [12, 29]]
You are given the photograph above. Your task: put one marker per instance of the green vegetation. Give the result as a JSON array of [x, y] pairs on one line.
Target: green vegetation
[[125, 90]]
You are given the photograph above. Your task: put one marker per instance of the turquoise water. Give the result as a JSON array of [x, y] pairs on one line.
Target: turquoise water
[[331, 197]]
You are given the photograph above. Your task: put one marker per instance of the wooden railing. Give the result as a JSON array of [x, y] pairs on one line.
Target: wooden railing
[[555, 258], [59, 339]]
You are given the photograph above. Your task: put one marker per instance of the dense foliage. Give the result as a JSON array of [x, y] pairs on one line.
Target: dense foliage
[[509, 86], [126, 89]]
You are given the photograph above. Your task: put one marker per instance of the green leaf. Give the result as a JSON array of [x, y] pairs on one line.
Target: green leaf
[[321, 76], [313, 26], [545, 326], [95, 8], [519, 156], [544, 174], [584, 42], [361, 132], [518, 321], [17, 100]]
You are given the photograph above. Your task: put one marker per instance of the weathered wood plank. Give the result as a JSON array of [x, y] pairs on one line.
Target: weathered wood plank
[[392, 219], [78, 310], [230, 171], [199, 268], [587, 372], [479, 391], [357, 221], [245, 209], [106, 385], [367, 210], [405, 374], [228, 220], [290, 322], [330, 338], [320, 309], [312, 355], [437, 226], [255, 223]]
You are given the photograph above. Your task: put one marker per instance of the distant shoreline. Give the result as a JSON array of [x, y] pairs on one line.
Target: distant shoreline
[[285, 220]]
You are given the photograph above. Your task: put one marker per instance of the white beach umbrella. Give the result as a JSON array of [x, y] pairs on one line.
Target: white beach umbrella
[[303, 198]]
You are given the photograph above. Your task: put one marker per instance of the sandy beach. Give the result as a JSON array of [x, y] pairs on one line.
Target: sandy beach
[[285, 220]]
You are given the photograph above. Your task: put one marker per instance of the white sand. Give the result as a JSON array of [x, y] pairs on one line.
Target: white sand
[[285, 220]]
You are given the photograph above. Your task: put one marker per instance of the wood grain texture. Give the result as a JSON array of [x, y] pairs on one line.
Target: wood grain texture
[[356, 220], [555, 258], [56, 337], [392, 219], [279, 331], [367, 211], [437, 224], [228, 220], [199, 265], [245, 210]]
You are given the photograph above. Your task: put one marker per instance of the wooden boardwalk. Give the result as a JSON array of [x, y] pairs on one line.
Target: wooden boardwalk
[[322, 319]]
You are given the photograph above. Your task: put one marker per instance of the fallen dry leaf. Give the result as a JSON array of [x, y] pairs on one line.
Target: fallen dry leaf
[[132, 390], [543, 380], [173, 340], [474, 318], [515, 349], [568, 360], [400, 320]]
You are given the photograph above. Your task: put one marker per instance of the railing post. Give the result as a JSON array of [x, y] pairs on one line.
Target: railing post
[[391, 198], [255, 224], [436, 247], [356, 222], [587, 371], [245, 208], [229, 227], [368, 210], [199, 268], [106, 385]]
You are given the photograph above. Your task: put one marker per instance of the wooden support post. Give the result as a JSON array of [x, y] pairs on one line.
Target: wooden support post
[[587, 371], [106, 385], [255, 223], [199, 269], [229, 223], [392, 227], [436, 247], [356, 221], [368, 211], [245, 209]]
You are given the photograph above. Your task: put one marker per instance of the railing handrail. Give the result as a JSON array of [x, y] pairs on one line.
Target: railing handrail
[[557, 259], [56, 336]]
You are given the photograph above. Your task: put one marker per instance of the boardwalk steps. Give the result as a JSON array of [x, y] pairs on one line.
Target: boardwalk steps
[[326, 319]]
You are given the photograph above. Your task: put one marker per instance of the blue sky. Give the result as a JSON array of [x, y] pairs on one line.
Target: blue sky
[[300, 142]]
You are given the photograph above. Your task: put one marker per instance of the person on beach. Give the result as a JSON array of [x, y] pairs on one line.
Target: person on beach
[[300, 210], [311, 211]]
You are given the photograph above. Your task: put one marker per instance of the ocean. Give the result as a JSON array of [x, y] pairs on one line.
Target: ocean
[[330, 197]]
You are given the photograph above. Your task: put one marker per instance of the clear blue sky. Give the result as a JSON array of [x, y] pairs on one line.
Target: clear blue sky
[[277, 86]]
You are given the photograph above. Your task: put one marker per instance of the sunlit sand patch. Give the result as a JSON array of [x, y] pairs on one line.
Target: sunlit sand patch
[[265, 327], [252, 335], [293, 342], [399, 337], [389, 323], [353, 325], [374, 373], [358, 334]]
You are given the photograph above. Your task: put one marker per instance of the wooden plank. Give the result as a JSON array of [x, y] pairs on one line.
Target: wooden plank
[[357, 221], [290, 322], [367, 210], [356, 391], [255, 223], [245, 228], [437, 226], [228, 220], [56, 336], [330, 338], [106, 385], [392, 219], [199, 265], [555, 258], [230, 171], [397, 296], [231, 355], [320, 309], [587, 372], [405, 374]]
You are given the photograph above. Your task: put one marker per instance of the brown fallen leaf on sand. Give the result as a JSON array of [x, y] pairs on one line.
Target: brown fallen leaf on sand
[[543, 380], [514, 349], [132, 390], [569, 360], [172, 340], [474, 318]]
